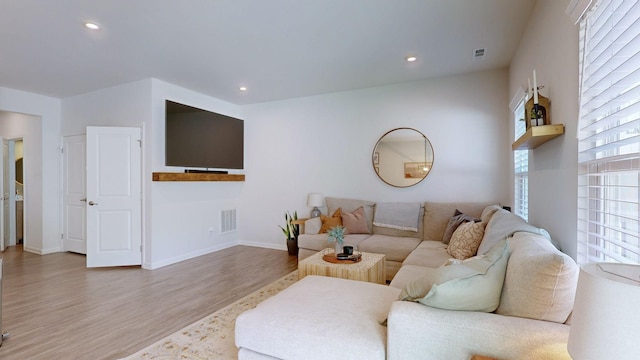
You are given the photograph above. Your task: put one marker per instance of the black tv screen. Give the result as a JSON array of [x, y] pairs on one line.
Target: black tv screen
[[202, 139]]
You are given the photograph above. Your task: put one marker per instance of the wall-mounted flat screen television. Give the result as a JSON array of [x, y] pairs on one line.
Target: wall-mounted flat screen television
[[202, 139]]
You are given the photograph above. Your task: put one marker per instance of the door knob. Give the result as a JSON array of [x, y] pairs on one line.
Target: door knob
[[92, 203]]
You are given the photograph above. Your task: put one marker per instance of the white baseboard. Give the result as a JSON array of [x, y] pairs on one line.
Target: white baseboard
[[41, 251], [263, 245], [191, 255]]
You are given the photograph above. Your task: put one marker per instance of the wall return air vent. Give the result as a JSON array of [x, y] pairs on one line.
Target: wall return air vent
[[227, 221]]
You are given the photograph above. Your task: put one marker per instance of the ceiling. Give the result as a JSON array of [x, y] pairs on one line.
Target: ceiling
[[278, 49]]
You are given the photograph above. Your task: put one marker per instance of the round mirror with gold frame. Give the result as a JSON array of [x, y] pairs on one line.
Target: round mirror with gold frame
[[402, 157]]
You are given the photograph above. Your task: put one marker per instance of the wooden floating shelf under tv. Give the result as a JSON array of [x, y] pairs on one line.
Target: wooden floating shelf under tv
[[537, 135], [170, 176]]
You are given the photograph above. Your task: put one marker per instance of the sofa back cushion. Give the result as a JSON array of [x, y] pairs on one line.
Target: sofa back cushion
[[351, 205], [540, 282], [501, 226], [437, 215]]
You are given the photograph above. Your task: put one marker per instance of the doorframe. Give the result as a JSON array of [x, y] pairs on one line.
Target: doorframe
[[143, 168], [12, 241], [63, 184]]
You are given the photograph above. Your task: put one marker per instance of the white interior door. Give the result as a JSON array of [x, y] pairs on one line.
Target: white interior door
[[4, 190], [114, 196], [74, 231]]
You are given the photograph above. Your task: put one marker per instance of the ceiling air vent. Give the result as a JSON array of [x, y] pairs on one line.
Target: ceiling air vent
[[478, 54]]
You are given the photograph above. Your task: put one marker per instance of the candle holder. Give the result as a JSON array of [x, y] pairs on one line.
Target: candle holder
[[537, 114]]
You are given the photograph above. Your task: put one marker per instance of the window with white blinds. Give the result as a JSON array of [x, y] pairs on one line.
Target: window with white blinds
[[520, 165], [609, 133]]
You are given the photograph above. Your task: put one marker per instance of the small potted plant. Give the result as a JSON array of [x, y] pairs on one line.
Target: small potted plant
[[290, 231], [336, 234]]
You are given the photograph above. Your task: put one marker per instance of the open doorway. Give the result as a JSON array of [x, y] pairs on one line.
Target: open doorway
[[12, 193], [16, 194], [21, 195]]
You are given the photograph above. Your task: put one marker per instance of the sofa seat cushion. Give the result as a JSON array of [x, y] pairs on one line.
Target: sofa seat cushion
[[395, 248], [407, 274], [540, 282], [428, 254], [318, 242], [319, 318]]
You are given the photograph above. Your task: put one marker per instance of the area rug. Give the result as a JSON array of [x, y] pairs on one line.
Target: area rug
[[213, 336]]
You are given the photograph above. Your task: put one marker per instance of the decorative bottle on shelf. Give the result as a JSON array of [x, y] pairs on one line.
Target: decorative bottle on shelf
[[537, 115]]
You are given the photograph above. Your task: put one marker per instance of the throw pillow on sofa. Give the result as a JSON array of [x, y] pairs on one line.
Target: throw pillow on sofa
[[355, 222], [345, 204], [330, 222], [313, 225], [466, 240], [473, 285], [456, 220]]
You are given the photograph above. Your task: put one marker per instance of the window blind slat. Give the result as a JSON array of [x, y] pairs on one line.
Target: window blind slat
[[622, 79], [616, 31], [601, 118]]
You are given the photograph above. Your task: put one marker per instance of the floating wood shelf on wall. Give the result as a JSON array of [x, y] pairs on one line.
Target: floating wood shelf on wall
[[169, 176], [538, 135]]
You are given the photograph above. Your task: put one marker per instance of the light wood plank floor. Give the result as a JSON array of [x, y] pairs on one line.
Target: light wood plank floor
[[55, 308]]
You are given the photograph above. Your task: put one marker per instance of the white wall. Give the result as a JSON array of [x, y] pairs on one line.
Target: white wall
[[126, 105], [42, 166], [321, 143], [177, 215], [180, 214], [324, 144], [550, 45]]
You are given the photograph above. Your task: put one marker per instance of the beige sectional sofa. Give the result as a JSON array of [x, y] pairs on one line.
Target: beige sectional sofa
[[397, 245], [321, 317]]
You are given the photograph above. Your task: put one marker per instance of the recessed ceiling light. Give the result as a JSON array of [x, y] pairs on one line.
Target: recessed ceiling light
[[411, 58], [91, 25], [243, 88]]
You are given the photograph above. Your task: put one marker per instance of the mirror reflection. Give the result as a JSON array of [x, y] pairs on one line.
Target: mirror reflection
[[19, 171], [402, 157]]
